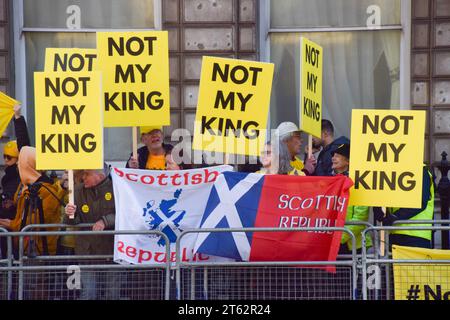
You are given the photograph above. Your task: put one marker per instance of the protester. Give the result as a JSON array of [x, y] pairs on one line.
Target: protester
[[290, 137], [411, 238], [328, 145], [36, 191], [11, 179], [42, 187], [340, 165], [152, 155], [9, 182], [266, 160], [94, 203]]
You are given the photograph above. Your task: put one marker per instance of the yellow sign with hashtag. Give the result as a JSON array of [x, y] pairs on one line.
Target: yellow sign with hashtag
[[421, 281]]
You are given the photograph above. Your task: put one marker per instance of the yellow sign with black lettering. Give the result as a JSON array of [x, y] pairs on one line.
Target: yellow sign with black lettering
[[135, 68], [70, 59], [233, 106], [69, 118], [386, 158], [421, 281], [311, 68]]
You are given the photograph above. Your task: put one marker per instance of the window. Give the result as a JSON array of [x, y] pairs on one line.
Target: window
[[60, 23], [362, 43]]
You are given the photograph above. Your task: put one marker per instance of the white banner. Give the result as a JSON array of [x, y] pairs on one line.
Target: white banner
[[168, 201]]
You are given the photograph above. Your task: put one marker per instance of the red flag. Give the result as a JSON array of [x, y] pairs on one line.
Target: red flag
[[289, 202]]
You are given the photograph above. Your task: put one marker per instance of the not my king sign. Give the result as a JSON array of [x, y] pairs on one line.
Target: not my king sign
[[69, 120], [386, 158]]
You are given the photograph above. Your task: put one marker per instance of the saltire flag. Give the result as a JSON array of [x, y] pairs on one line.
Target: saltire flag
[[240, 200], [167, 201]]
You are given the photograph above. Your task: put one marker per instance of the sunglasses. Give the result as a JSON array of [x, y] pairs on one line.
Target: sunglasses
[[6, 157]]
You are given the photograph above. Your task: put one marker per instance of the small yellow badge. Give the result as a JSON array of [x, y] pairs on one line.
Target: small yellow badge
[[108, 196], [85, 208]]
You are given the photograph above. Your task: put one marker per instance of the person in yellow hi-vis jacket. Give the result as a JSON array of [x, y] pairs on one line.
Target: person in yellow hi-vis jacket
[[340, 163], [411, 238]]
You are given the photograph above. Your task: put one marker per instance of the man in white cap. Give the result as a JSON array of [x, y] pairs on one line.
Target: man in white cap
[[290, 135]]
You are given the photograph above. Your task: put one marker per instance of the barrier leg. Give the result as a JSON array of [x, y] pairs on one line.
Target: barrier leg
[[10, 273], [20, 286], [388, 270], [205, 283], [178, 283], [192, 283]]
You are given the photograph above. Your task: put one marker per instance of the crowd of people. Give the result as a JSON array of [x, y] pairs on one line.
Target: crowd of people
[[30, 196]]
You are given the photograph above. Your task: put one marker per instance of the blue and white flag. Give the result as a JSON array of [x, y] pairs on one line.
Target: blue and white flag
[[168, 201]]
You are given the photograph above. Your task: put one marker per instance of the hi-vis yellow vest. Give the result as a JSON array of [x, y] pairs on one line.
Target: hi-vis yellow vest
[[426, 214]]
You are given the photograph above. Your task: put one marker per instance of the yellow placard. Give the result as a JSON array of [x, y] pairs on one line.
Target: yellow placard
[[421, 281], [70, 59], [233, 106], [6, 111], [135, 68], [386, 158], [69, 118], [311, 66]]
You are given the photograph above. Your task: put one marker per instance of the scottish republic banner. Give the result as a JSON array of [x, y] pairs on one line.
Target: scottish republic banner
[[168, 201], [252, 200]]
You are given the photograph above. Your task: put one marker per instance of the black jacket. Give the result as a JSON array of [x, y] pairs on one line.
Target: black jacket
[[20, 127], [11, 180], [143, 155]]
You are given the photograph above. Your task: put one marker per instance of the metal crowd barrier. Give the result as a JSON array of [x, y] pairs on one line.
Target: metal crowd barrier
[[385, 263], [6, 284], [23, 277], [42, 277], [265, 280]]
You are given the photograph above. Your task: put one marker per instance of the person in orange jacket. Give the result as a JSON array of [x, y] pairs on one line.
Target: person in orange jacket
[[36, 185]]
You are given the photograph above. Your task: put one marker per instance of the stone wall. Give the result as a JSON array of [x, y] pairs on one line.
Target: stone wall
[[430, 72]]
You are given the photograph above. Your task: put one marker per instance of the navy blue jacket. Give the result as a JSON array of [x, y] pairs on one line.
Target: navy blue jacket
[[323, 167]]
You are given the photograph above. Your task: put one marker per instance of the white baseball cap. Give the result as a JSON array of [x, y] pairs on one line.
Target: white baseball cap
[[287, 127]]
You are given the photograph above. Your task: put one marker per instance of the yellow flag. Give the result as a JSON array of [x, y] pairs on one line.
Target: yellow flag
[[421, 281], [6, 111]]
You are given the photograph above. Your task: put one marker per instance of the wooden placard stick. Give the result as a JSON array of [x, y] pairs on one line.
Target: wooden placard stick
[[71, 188]]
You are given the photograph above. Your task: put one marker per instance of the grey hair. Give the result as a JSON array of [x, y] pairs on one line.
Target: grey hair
[[105, 171], [281, 156]]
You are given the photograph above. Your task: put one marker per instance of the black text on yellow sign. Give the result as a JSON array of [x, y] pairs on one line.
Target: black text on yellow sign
[[233, 105], [136, 77], [311, 68], [386, 157], [69, 131]]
